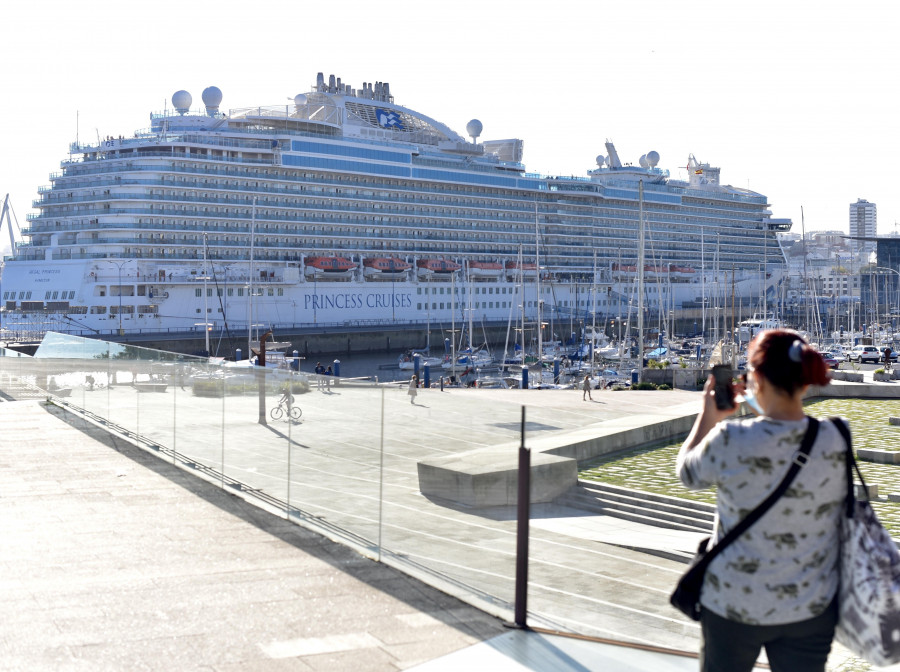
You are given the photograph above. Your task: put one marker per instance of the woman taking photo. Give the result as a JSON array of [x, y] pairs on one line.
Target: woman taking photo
[[775, 585]]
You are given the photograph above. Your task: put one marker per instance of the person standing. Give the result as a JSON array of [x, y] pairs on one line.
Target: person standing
[[776, 585], [887, 358], [586, 388], [412, 391], [320, 371]]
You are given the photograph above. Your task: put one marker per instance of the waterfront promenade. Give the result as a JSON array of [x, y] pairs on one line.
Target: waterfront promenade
[[119, 559]]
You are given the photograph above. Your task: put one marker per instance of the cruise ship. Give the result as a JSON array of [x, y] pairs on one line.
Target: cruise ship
[[344, 207]]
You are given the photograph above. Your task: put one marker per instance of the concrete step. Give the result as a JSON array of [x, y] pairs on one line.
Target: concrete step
[[633, 506], [703, 509]]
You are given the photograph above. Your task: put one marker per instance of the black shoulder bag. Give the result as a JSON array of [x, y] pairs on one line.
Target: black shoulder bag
[[686, 597]]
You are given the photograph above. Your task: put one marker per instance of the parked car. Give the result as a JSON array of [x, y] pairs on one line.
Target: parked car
[[832, 361], [865, 353]]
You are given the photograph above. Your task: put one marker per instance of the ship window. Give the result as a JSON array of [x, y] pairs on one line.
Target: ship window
[[240, 291], [271, 292], [230, 291], [198, 292], [281, 291], [442, 306]]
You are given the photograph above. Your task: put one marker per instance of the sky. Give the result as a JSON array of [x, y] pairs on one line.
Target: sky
[[795, 100]]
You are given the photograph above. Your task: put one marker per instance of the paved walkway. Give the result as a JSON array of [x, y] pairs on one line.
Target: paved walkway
[[118, 559]]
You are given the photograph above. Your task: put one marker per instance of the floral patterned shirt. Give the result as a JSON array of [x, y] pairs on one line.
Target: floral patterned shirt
[[784, 568]]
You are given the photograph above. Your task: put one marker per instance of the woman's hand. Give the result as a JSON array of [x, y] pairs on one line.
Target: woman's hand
[[709, 414]]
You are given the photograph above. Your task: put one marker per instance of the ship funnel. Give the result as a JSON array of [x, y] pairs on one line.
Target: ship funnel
[[320, 82], [387, 91], [330, 83], [653, 158]]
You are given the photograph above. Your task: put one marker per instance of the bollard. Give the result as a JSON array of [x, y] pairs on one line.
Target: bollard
[[417, 359], [556, 372], [337, 372], [699, 347], [524, 377], [296, 363], [427, 375], [634, 376], [442, 383], [237, 355]]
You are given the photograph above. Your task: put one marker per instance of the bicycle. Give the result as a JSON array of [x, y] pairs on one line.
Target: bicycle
[[282, 409]]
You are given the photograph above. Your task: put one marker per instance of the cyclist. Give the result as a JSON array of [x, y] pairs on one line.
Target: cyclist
[[286, 397]]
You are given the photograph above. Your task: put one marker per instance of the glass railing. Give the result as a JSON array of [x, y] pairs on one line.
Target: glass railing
[[427, 483]]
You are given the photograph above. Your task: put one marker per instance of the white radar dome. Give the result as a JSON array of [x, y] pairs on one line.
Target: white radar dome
[[212, 96], [181, 101], [600, 160], [474, 128], [653, 158], [300, 99], [643, 161]]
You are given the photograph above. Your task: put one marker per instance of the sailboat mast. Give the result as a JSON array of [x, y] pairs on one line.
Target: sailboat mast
[[205, 292], [537, 263], [640, 271], [593, 312], [250, 281]]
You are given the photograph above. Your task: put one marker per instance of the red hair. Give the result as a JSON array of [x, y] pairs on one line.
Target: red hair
[[786, 360]]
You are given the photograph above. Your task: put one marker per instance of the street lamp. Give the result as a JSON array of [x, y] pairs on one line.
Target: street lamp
[[120, 264]]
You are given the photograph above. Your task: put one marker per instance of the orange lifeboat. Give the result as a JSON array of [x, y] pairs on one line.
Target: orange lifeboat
[[682, 271], [513, 268], [329, 266], [385, 267], [624, 271], [439, 267], [484, 269]]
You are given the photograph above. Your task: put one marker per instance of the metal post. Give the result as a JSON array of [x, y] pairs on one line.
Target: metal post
[[524, 515]]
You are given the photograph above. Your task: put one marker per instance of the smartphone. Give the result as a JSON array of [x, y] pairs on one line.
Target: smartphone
[[724, 390]]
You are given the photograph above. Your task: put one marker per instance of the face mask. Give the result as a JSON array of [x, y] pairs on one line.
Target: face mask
[[751, 400]]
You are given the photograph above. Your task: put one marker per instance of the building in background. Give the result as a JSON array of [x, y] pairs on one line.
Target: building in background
[[863, 224]]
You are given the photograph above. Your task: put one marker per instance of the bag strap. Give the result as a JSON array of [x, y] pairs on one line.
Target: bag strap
[[851, 465], [800, 458]]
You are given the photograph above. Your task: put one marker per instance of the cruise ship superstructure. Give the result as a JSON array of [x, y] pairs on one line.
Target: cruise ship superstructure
[[344, 207]]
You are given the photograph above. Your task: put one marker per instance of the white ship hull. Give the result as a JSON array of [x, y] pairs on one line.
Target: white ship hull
[[170, 298]]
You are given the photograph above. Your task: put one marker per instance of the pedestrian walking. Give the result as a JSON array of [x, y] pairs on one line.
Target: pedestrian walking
[[320, 371], [586, 388], [774, 586], [887, 358], [412, 391]]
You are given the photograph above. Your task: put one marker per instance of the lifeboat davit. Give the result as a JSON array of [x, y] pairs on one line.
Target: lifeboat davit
[[385, 267], [527, 270], [437, 267], [484, 269], [338, 267]]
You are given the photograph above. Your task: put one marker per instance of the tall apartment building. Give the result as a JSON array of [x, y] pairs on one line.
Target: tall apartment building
[[863, 223]]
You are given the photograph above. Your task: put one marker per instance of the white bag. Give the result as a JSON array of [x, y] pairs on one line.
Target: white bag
[[869, 596]]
